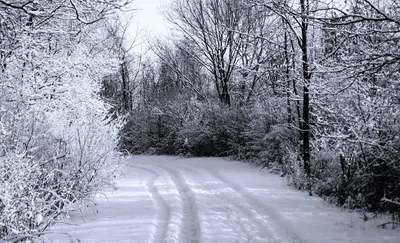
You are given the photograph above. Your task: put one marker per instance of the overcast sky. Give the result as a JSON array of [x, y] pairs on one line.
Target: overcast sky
[[148, 15], [147, 19]]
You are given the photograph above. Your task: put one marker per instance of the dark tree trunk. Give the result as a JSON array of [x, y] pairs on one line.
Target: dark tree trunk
[[306, 95], [126, 96], [287, 73], [226, 98]]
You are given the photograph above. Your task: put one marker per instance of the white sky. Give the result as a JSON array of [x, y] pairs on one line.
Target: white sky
[[148, 21], [148, 15]]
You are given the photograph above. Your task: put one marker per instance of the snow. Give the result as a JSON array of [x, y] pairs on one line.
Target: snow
[[172, 199]]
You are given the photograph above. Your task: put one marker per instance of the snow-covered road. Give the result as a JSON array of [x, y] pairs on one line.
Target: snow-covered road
[[171, 199]]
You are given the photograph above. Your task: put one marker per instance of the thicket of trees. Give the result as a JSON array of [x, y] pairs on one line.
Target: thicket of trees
[[56, 147], [308, 88]]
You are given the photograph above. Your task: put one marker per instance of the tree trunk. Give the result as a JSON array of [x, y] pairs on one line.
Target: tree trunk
[[126, 94], [225, 96], [287, 77], [306, 95]]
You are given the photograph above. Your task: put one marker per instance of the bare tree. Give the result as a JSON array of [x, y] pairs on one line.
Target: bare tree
[[214, 26]]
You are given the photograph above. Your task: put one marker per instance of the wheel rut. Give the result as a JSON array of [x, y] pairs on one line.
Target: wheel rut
[[163, 211], [190, 230], [275, 221], [239, 204]]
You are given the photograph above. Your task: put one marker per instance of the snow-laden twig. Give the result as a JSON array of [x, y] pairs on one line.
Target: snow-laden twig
[[390, 201]]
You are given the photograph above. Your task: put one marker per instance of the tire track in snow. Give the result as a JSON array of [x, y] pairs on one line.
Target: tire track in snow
[[251, 215], [280, 225], [190, 226], [163, 210]]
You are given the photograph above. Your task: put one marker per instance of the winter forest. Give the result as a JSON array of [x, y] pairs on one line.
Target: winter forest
[[307, 89]]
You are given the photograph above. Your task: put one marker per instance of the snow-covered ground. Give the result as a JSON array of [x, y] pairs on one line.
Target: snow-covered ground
[[170, 199]]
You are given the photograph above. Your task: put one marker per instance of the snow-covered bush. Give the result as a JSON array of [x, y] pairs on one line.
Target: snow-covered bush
[[197, 130], [51, 175], [56, 147], [269, 139], [356, 147], [279, 142]]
